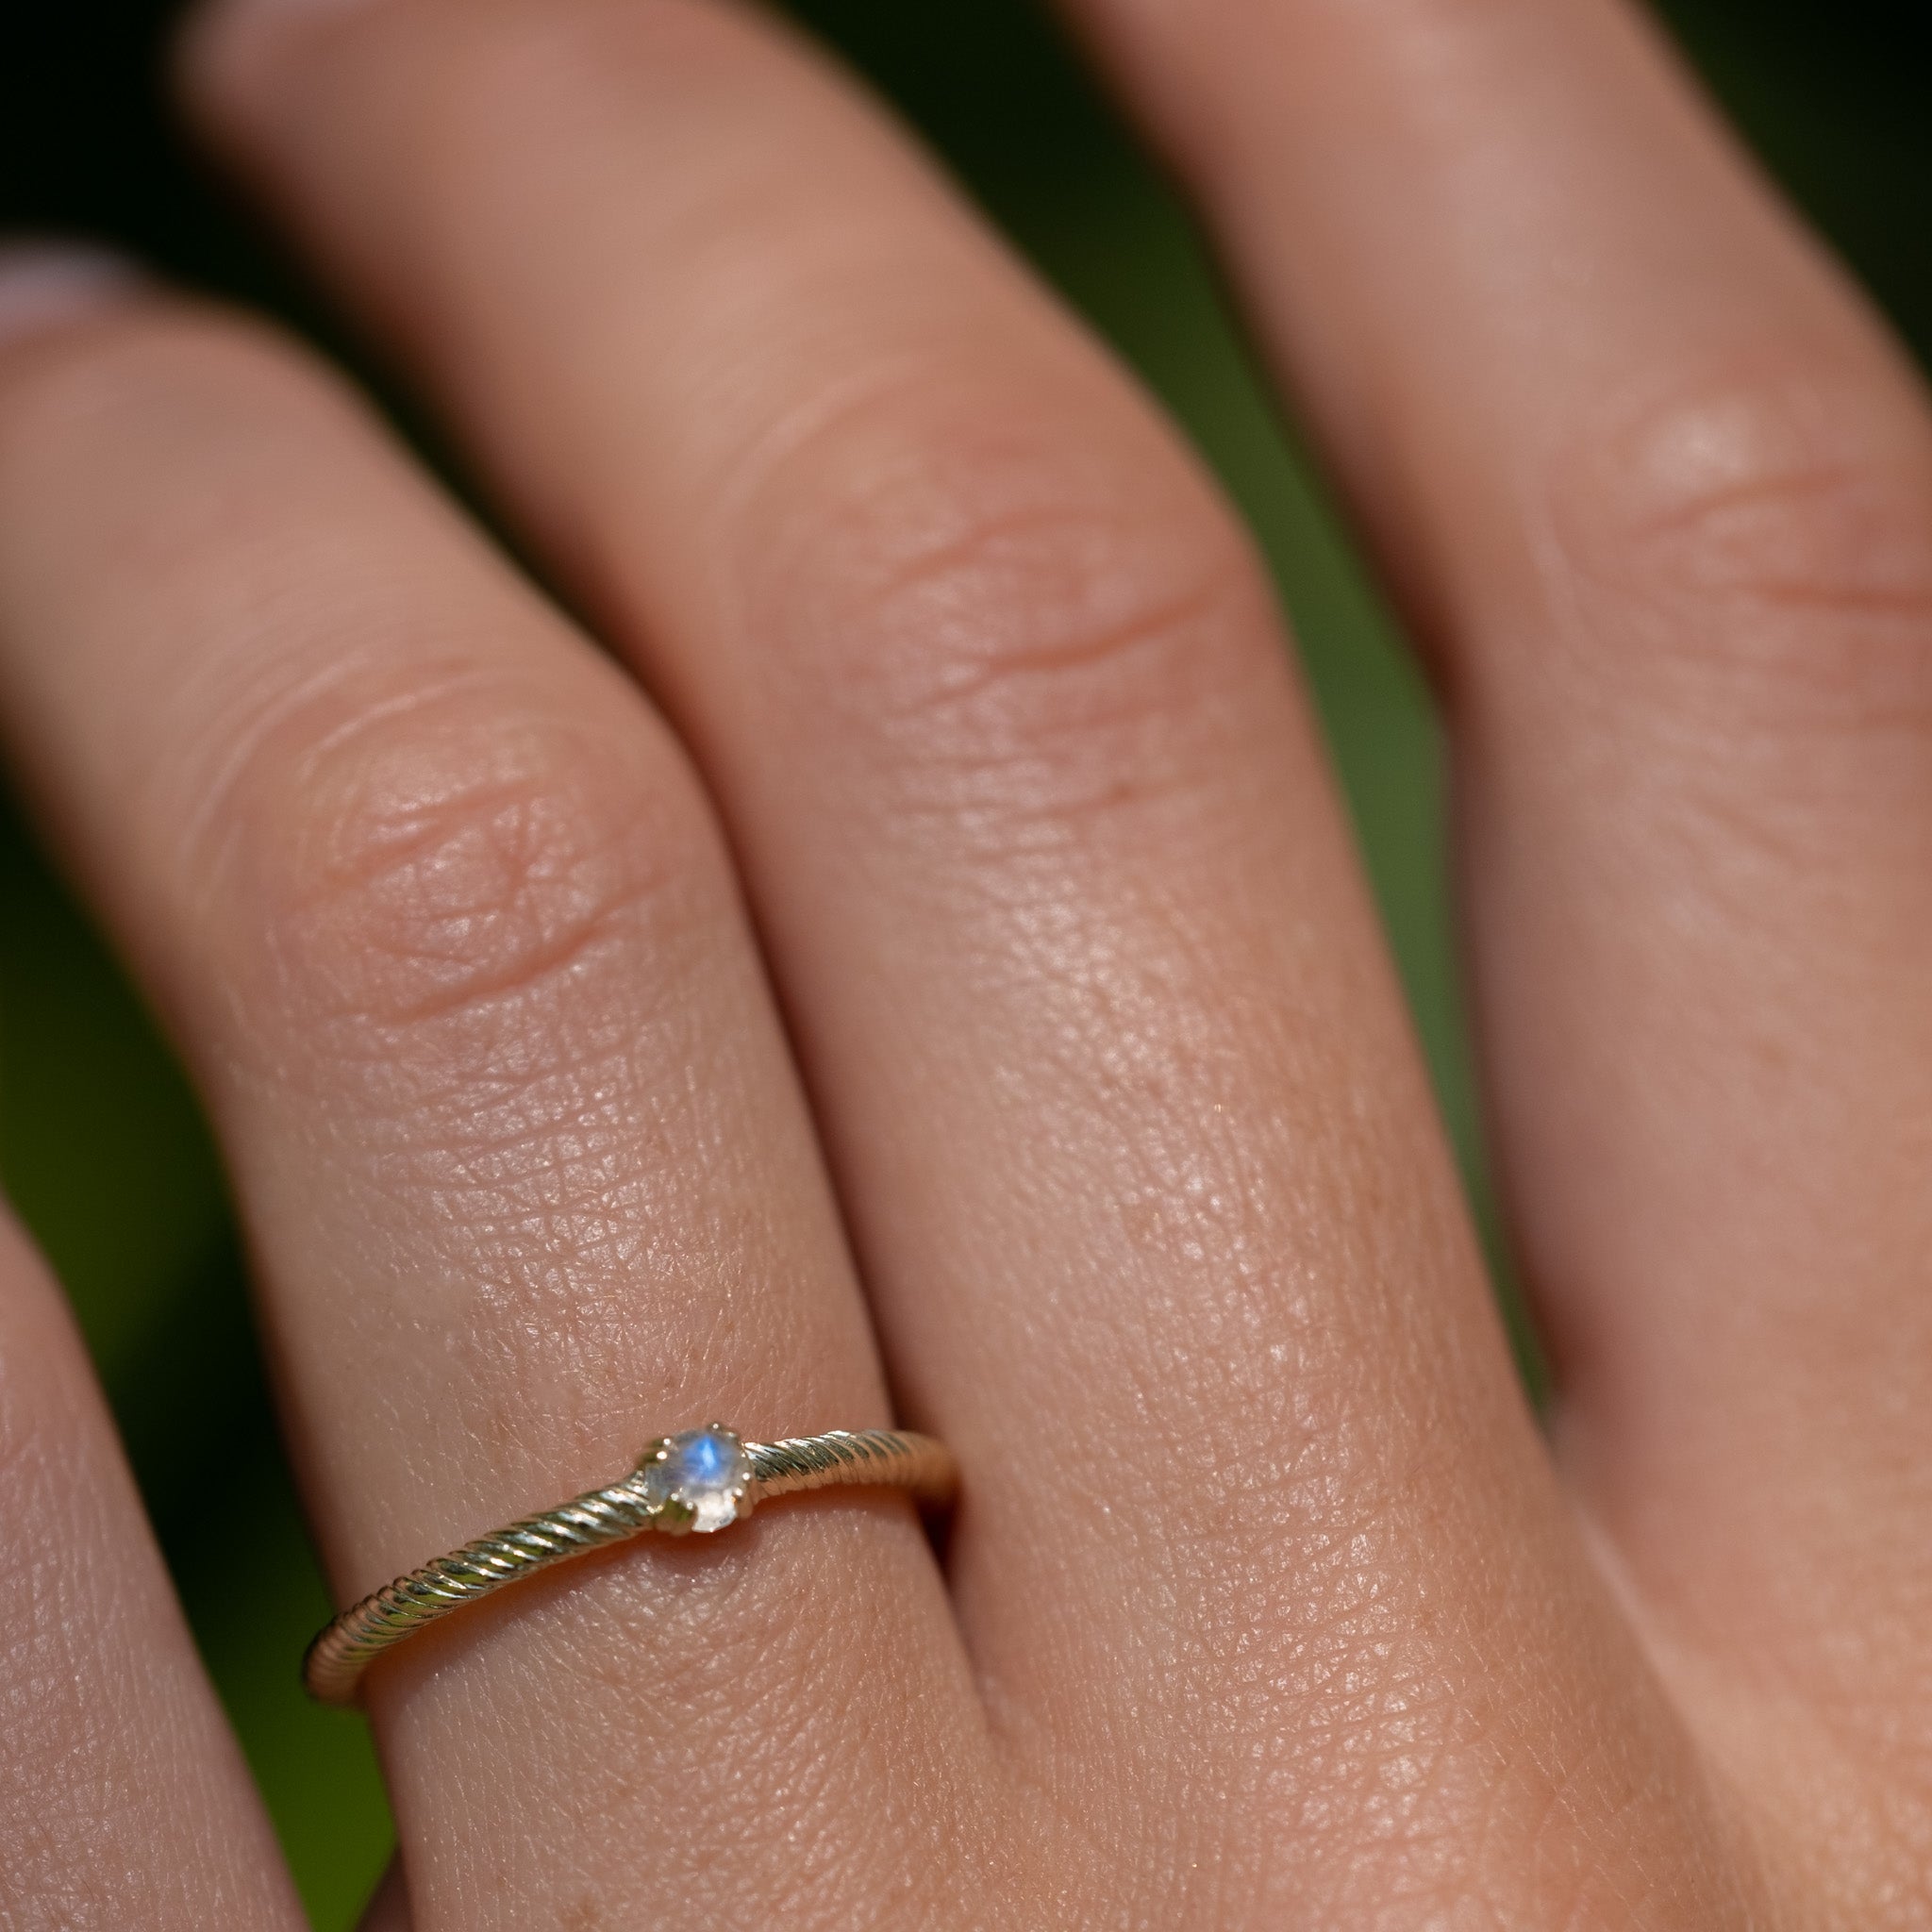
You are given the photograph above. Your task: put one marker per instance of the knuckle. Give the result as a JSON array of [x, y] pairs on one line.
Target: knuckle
[[1770, 523], [453, 854], [1020, 618]]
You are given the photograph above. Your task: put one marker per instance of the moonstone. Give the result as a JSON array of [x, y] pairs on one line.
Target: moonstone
[[706, 1471]]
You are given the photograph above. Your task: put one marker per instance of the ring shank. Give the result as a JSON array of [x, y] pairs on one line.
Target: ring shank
[[332, 1670], [889, 1456]]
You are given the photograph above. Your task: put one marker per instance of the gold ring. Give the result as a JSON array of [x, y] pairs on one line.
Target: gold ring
[[701, 1479]]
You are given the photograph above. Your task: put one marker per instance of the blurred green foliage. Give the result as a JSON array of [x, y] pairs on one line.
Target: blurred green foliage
[[101, 1146]]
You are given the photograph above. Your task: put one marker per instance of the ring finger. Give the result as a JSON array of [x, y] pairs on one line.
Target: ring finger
[[444, 925]]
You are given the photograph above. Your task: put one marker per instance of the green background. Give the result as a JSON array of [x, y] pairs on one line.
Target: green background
[[100, 1145]]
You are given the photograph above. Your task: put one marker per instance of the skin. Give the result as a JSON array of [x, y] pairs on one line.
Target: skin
[[943, 713]]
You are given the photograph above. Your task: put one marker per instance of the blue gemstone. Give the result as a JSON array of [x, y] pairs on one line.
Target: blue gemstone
[[705, 1471], [708, 1457]]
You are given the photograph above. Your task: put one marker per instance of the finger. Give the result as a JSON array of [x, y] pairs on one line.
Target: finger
[[124, 1800], [1661, 491], [439, 915], [1130, 1128]]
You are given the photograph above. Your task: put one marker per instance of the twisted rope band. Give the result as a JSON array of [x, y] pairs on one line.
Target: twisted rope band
[[651, 1497], [887, 1456]]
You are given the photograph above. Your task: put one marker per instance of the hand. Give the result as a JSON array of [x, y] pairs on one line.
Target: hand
[[946, 717]]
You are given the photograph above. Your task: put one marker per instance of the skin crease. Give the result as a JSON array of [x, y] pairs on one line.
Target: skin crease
[[969, 737]]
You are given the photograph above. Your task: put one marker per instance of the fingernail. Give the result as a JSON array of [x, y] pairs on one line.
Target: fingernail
[[47, 284]]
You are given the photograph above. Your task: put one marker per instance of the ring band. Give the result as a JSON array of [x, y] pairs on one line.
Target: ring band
[[701, 1479]]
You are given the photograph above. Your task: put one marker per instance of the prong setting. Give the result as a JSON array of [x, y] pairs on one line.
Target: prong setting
[[698, 1480]]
